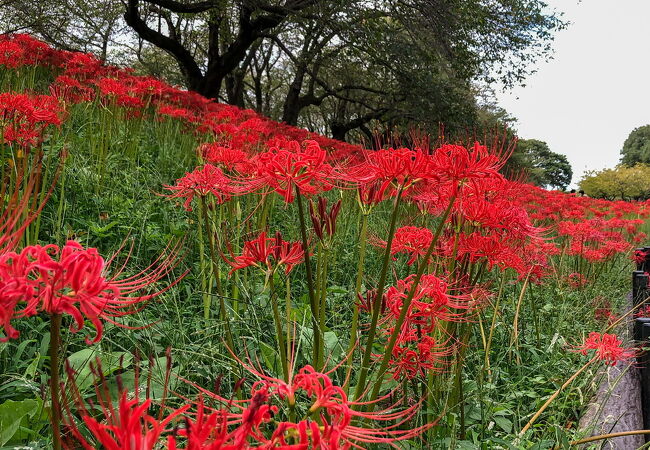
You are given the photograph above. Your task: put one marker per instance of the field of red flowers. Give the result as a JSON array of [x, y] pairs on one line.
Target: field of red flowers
[[183, 274]]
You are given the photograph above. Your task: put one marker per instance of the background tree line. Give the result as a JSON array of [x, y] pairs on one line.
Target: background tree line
[[630, 180], [344, 68]]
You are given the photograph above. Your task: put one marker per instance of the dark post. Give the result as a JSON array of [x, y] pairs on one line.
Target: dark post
[[642, 327]]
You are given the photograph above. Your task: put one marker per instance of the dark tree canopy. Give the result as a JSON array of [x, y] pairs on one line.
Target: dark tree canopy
[[535, 161], [636, 148]]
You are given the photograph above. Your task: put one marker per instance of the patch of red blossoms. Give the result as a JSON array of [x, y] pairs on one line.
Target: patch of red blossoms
[[23, 118], [608, 348], [203, 181], [268, 253]]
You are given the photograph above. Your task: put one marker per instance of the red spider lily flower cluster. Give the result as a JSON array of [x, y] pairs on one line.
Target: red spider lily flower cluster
[[268, 253], [292, 165], [639, 256], [128, 426], [242, 134], [23, 118], [596, 239], [71, 280], [227, 158], [608, 348], [577, 280], [431, 302], [392, 168], [458, 164], [329, 422], [416, 355], [203, 181], [416, 351], [413, 241]]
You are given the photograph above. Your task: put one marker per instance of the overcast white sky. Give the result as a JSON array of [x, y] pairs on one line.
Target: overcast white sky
[[586, 100]]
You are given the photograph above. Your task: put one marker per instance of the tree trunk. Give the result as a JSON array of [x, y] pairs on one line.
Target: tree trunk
[[292, 106]]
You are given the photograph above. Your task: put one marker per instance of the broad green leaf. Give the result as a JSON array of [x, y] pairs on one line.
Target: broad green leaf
[[11, 416]]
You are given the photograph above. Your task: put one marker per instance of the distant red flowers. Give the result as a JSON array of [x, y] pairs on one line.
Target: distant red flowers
[[413, 241]]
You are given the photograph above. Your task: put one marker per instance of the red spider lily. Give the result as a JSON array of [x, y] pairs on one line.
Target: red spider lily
[[431, 302], [175, 112], [324, 222], [203, 181], [72, 280], [456, 163], [496, 214], [414, 241], [291, 165], [205, 432], [227, 157], [608, 348], [70, 90], [334, 429], [433, 198], [577, 280], [130, 426], [393, 168], [267, 254], [414, 355], [23, 118], [11, 54]]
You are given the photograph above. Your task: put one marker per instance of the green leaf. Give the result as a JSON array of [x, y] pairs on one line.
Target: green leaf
[[270, 356], [110, 361], [31, 369], [333, 348], [11, 416], [503, 423]]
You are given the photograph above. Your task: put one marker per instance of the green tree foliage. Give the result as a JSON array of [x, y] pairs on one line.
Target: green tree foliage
[[636, 148], [539, 165], [621, 182]]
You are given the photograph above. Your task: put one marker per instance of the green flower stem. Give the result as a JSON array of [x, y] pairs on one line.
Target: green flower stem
[[323, 303], [55, 344], [288, 316], [279, 331], [202, 268], [365, 362], [363, 237], [223, 314], [310, 281], [405, 307], [61, 208]]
